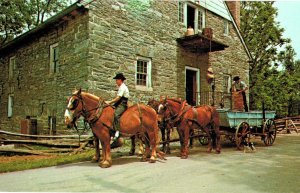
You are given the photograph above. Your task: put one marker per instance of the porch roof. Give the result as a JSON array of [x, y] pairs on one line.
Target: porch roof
[[200, 43]]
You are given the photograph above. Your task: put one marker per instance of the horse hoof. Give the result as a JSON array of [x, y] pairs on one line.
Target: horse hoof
[[184, 157], [218, 151], [105, 164], [152, 160], [168, 151], [143, 159], [208, 150], [95, 159]]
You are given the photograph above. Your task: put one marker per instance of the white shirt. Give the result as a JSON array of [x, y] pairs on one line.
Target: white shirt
[[123, 91], [240, 86]]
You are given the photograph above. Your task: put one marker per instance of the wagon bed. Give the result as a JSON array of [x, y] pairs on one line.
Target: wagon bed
[[233, 118], [239, 126]]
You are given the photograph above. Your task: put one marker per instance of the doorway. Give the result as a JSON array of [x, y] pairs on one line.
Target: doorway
[[192, 86]]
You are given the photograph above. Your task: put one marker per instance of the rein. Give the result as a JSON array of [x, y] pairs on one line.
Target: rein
[[176, 117]]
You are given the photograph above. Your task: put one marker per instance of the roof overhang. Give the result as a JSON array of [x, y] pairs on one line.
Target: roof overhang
[[199, 43]]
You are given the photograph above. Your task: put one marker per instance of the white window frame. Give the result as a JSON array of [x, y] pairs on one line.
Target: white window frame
[[202, 11], [148, 86], [226, 27], [52, 67], [11, 67], [198, 10], [197, 70], [10, 104], [227, 78]]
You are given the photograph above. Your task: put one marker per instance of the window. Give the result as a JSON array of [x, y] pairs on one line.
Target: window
[[143, 72], [226, 27], [227, 83], [10, 106], [11, 67], [191, 15], [54, 58]]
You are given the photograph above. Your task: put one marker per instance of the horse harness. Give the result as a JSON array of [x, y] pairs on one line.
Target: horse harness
[[100, 107], [178, 116], [195, 115]]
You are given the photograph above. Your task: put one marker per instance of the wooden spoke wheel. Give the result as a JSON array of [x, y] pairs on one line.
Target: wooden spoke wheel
[[203, 140], [242, 135], [269, 132]]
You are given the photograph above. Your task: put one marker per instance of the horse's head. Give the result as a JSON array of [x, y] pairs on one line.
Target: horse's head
[[162, 106], [74, 109], [154, 104], [171, 106]]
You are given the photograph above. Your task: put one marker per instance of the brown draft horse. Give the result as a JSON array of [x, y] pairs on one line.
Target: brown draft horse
[[164, 125], [139, 120], [187, 118]]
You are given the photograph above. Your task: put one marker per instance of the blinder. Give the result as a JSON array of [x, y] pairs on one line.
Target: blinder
[[74, 104]]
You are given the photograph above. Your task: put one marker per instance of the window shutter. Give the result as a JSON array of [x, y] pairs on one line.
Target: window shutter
[[200, 20], [180, 12], [10, 106]]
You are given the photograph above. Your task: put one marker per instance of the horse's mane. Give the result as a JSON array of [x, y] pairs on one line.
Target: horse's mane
[[176, 100], [91, 96]]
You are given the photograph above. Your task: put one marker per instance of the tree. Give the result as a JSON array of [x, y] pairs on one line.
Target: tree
[[290, 79], [263, 36], [19, 16]]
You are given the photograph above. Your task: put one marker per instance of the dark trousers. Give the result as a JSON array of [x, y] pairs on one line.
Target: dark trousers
[[245, 102], [119, 110]]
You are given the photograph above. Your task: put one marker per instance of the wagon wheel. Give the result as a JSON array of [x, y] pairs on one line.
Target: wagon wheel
[[269, 132], [203, 140], [242, 135]]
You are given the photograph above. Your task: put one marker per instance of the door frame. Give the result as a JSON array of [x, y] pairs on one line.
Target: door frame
[[197, 70]]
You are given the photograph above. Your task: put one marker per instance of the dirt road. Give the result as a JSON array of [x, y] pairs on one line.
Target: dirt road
[[269, 169]]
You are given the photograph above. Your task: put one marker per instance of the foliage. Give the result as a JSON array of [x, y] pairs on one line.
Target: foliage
[[264, 37], [19, 16]]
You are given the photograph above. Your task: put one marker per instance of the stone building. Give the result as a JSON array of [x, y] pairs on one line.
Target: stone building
[[89, 42]]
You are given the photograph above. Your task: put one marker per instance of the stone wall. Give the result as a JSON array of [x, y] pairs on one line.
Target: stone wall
[[37, 93], [122, 31]]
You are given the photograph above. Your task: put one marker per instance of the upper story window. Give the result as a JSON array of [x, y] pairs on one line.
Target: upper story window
[[226, 27], [11, 67], [143, 72], [191, 15], [54, 58]]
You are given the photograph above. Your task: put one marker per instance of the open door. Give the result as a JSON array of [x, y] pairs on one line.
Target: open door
[[191, 86]]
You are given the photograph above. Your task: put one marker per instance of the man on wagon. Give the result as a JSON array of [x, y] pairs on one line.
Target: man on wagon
[[120, 102], [240, 87]]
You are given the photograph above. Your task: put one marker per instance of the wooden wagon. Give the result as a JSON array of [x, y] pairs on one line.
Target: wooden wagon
[[239, 126]]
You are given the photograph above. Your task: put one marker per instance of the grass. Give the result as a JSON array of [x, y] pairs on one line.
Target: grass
[[24, 164]]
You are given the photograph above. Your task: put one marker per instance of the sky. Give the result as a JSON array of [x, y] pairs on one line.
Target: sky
[[289, 19]]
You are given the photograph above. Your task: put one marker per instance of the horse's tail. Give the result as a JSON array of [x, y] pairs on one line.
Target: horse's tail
[[215, 118], [160, 154]]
